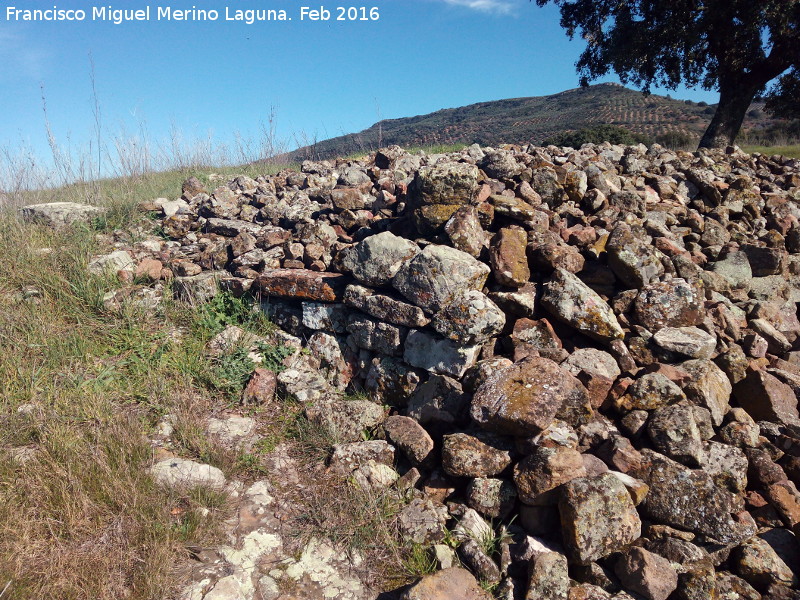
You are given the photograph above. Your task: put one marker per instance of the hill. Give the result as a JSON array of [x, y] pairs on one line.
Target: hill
[[525, 120]]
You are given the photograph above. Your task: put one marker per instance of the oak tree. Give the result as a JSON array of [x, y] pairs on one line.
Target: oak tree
[[734, 46]]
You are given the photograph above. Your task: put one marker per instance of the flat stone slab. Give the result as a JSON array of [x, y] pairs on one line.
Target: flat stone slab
[[301, 284], [180, 473], [60, 214]]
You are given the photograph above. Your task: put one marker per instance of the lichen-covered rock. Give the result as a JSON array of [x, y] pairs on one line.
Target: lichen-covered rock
[[433, 278], [183, 474], [492, 497], [377, 336], [384, 307], [546, 469], [410, 437], [548, 577], [758, 564], [438, 355], [346, 420], [650, 392], [480, 454], [525, 398], [672, 303], [377, 259], [766, 398], [687, 341], [570, 300], [691, 500], [454, 583], [471, 318], [60, 214], [708, 387], [633, 261], [439, 191], [598, 517], [647, 574], [508, 255], [465, 231], [423, 521], [301, 283]]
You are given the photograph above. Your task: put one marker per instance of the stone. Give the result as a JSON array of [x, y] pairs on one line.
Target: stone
[[234, 431], [322, 572], [346, 458], [377, 336], [651, 392], [61, 214], [423, 521], [410, 437], [726, 464], [690, 500], [492, 497], [390, 381], [301, 284], [346, 420], [545, 470], [735, 270], [508, 256], [326, 317], [480, 454], [570, 300], [500, 164], [440, 400], [465, 231], [438, 355], [454, 583], [111, 264], [598, 517], [525, 398], [447, 183], [672, 303], [435, 276], [674, 432], [647, 574], [183, 474], [766, 398], [384, 308], [512, 208], [548, 577], [730, 586], [687, 341], [708, 386], [759, 565], [149, 269], [633, 261], [471, 318], [198, 288], [377, 259], [473, 555]]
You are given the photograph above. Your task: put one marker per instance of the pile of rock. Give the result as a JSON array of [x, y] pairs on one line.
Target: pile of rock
[[583, 363]]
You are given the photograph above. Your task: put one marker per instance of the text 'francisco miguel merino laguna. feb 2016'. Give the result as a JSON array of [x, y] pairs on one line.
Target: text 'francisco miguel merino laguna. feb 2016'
[[167, 13]]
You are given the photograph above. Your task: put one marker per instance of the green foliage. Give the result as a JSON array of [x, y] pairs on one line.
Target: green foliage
[[225, 309], [677, 140], [783, 100], [734, 46], [419, 560], [597, 135], [232, 371], [274, 355]]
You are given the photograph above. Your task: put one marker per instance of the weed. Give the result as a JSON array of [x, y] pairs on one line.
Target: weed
[[226, 309], [274, 355], [419, 560]]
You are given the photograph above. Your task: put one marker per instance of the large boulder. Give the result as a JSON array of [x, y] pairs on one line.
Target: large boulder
[[61, 214]]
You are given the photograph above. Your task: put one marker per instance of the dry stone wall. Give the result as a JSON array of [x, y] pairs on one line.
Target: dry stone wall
[[594, 351]]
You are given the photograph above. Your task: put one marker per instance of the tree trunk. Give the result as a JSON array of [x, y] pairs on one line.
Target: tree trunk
[[734, 100]]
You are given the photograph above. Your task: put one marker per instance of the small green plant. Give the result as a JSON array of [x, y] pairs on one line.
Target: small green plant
[[232, 371], [226, 309], [274, 355], [419, 560]]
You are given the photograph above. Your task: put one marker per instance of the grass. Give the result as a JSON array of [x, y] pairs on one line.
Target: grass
[[83, 387], [788, 151]]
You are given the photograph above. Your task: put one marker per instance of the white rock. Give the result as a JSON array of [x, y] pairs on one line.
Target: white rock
[[119, 260], [181, 473]]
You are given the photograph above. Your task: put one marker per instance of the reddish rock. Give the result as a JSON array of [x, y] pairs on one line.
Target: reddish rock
[[261, 387], [149, 268], [647, 574], [766, 398], [301, 283], [410, 437], [508, 257], [454, 583]]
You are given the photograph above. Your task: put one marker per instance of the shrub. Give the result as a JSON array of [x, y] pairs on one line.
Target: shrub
[[597, 135]]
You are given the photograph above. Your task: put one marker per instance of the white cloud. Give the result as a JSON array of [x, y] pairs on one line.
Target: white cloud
[[501, 7]]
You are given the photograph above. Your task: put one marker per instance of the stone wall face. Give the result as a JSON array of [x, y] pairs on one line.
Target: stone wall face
[[597, 349]]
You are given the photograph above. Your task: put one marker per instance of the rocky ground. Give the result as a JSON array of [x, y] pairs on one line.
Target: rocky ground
[[577, 370]]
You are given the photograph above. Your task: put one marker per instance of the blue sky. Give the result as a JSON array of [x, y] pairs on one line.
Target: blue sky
[[321, 78]]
